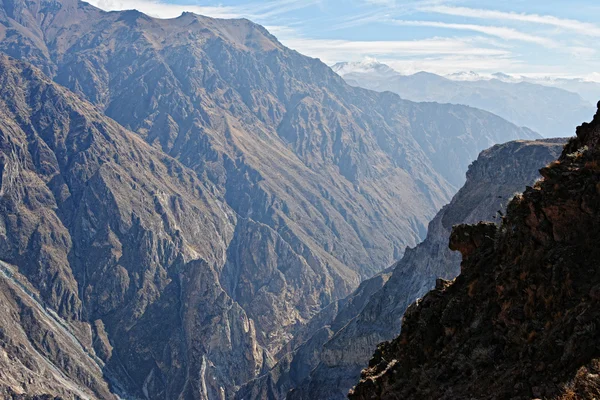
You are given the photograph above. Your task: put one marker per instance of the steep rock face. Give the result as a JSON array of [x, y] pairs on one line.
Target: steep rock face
[[39, 354], [343, 338], [520, 320], [122, 241], [338, 180], [302, 353]]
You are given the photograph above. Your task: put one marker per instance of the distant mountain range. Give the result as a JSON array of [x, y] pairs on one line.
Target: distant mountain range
[[552, 107]]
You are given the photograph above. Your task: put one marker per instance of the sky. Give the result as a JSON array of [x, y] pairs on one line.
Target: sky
[[554, 38]]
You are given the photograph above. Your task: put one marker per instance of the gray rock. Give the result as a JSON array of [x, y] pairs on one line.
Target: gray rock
[[492, 180]]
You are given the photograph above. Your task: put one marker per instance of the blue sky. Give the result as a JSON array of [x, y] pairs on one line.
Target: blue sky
[[529, 37]]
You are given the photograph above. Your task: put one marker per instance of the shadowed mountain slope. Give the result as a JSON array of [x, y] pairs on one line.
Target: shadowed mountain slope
[[328, 363], [520, 320]]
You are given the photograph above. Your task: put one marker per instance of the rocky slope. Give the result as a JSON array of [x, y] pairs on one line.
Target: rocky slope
[[328, 363], [122, 242], [39, 354], [520, 321], [551, 111]]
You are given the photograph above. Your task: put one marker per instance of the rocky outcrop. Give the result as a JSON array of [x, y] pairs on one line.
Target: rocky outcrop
[[354, 329], [520, 320]]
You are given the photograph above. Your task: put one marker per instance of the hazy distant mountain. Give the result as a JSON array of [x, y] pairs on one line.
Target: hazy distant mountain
[[188, 193], [588, 90], [551, 111]]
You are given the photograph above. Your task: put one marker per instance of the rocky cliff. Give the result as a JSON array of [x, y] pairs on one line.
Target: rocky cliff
[[345, 334], [39, 353], [122, 242], [520, 321]]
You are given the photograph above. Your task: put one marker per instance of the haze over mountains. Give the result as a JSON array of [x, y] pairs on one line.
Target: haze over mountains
[[587, 89], [548, 106]]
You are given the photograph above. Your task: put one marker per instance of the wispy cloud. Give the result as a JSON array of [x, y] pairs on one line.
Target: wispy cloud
[[580, 27], [331, 51], [360, 20], [387, 3], [497, 31], [269, 9], [259, 11], [158, 9]]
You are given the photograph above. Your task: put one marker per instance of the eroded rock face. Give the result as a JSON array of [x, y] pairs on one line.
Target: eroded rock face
[[343, 337], [39, 354], [122, 241], [520, 320]]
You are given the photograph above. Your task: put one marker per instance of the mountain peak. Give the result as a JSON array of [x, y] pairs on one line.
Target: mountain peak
[[465, 76], [368, 65]]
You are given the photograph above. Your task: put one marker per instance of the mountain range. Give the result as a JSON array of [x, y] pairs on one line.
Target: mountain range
[[589, 90], [183, 201], [546, 108]]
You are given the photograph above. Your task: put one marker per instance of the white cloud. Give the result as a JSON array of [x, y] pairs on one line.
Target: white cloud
[[579, 27], [159, 9], [259, 11], [269, 9], [594, 77], [387, 3], [331, 51], [497, 31]]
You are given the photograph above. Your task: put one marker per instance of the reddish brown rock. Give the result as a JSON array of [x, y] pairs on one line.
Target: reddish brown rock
[[521, 321]]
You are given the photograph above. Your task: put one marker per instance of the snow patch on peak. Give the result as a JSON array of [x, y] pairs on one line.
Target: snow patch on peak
[[367, 65], [466, 76]]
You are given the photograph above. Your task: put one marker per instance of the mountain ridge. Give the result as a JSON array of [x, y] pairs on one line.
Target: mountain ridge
[[520, 316], [327, 362], [547, 108]]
